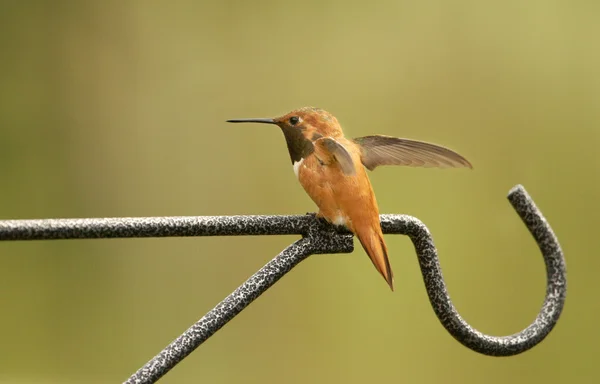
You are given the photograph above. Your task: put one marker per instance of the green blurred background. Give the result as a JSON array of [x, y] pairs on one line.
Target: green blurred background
[[117, 108]]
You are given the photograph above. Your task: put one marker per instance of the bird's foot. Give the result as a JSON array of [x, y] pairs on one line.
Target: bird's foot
[[327, 225], [320, 218]]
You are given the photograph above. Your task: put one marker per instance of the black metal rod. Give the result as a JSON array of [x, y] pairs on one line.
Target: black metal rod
[[318, 238], [220, 315], [128, 227]]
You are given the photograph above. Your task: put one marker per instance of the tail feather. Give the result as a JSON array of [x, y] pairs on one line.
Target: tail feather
[[372, 241]]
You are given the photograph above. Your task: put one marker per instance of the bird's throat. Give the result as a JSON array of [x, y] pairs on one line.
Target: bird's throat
[[298, 145]]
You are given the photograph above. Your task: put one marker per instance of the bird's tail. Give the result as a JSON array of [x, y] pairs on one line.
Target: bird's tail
[[371, 239]]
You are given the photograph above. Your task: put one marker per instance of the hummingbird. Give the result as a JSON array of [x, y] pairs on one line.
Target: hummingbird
[[332, 171]]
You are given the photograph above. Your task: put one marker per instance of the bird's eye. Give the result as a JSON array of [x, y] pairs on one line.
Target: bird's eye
[[294, 120]]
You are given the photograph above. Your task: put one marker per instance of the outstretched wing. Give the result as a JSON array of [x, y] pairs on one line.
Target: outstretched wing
[[329, 150], [387, 150]]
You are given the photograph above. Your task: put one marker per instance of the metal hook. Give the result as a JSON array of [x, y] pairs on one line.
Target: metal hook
[[317, 238], [556, 286]]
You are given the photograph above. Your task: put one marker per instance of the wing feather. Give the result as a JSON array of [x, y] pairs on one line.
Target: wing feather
[[337, 152], [379, 150]]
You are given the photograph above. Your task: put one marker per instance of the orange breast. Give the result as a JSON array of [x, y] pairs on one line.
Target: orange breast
[[342, 199]]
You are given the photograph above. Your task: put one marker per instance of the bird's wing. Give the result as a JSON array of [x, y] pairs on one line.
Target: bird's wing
[[387, 150], [329, 150]]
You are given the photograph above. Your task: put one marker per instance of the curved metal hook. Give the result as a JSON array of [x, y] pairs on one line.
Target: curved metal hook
[[556, 290]]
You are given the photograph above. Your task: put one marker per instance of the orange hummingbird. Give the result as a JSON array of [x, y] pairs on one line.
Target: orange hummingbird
[[330, 169]]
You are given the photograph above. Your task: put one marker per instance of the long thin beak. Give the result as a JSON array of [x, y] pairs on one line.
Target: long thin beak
[[264, 121]]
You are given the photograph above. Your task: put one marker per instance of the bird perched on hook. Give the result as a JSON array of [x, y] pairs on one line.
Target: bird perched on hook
[[330, 169]]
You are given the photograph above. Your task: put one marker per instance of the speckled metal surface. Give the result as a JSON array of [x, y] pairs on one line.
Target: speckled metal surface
[[237, 301], [556, 288], [123, 227], [317, 238]]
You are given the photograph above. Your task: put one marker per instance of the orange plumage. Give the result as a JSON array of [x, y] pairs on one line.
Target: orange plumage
[[330, 169]]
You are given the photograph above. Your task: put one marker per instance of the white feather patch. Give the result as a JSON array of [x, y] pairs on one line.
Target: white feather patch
[[297, 165], [339, 219]]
